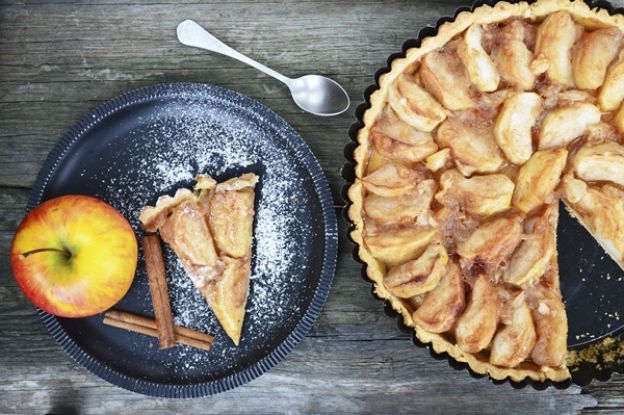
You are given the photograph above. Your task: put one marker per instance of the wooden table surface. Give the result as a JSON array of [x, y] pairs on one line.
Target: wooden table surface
[[59, 59]]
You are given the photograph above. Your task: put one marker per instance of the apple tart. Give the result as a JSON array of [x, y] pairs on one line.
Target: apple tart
[[469, 144], [210, 231]]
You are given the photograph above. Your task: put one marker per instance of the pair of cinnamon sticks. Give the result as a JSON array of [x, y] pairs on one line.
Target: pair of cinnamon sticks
[[162, 327]]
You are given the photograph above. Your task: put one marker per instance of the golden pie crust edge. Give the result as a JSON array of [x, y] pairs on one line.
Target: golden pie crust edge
[[374, 269]]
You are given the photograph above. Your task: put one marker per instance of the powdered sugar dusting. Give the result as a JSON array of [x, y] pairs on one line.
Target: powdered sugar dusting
[[169, 148]]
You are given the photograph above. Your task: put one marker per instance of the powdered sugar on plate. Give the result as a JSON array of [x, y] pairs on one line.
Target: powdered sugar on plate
[[163, 150]]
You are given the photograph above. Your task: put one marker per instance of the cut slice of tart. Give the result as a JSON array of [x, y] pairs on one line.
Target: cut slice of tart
[[210, 231], [468, 145]]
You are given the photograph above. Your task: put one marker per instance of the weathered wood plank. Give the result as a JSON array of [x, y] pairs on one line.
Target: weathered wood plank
[[410, 377], [61, 58]]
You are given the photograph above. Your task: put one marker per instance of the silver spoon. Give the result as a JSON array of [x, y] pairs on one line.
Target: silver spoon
[[315, 94]]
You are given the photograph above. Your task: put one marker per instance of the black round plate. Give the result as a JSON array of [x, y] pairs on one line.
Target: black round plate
[[591, 281], [151, 141]]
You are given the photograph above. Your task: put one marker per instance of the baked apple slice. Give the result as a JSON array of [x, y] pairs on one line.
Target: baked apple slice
[[479, 66], [419, 275], [618, 119], [600, 162], [228, 298], [210, 231], [594, 52], [534, 253], [600, 210], [230, 212], [185, 230], [414, 105], [396, 246], [563, 125], [394, 139], [514, 342], [473, 148], [411, 207], [443, 306], [555, 39], [514, 123], [493, 241], [478, 195], [612, 91], [538, 178], [512, 56], [443, 75], [476, 327], [551, 322], [390, 180]]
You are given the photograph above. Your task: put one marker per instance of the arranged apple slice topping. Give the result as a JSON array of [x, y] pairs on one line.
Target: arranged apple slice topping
[[555, 38], [612, 90], [601, 210], [493, 241], [442, 306], [600, 162], [391, 180], [417, 276], [478, 195], [534, 253], [397, 140], [562, 125], [594, 52], [513, 125], [481, 70], [512, 56], [409, 207], [618, 119], [230, 210], [538, 178], [443, 75], [187, 232], [398, 245], [473, 148], [439, 159], [414, 105], [551, 323], [476, 327], [514, 342]]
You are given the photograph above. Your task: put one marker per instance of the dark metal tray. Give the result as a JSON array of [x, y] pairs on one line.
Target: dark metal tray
[[150, 141]]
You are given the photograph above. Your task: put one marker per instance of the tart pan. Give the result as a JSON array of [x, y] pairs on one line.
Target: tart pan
[[120, 148], [590, 279]]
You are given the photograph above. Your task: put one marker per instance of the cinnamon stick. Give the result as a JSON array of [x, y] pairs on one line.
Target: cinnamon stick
[[148, 327], [155, 266]]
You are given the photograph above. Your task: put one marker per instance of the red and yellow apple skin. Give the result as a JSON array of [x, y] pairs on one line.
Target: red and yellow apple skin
[[74, 256]]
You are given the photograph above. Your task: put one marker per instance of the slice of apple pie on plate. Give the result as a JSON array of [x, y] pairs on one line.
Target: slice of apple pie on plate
[[210, 231]]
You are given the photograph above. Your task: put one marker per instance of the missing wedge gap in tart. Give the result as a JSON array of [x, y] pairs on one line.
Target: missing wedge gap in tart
[[210, 231], [468, 147]]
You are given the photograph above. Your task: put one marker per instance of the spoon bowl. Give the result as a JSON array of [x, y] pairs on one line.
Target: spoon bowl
[[319, 95]]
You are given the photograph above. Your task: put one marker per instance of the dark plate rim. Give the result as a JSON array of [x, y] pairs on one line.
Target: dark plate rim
[[587, 372], [305, 155]]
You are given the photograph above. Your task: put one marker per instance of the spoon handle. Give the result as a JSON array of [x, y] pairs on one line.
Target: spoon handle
[[192, 34]]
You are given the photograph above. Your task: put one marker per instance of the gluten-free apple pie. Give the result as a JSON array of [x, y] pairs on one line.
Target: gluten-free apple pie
[[471, 141], [210, 230]]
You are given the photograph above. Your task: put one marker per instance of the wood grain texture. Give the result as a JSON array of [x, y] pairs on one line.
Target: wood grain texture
[[59, 59]]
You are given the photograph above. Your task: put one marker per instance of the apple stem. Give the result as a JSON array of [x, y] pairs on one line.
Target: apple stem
[[35, 251]]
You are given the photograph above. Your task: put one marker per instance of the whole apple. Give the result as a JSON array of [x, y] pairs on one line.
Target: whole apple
[[74, 256]]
